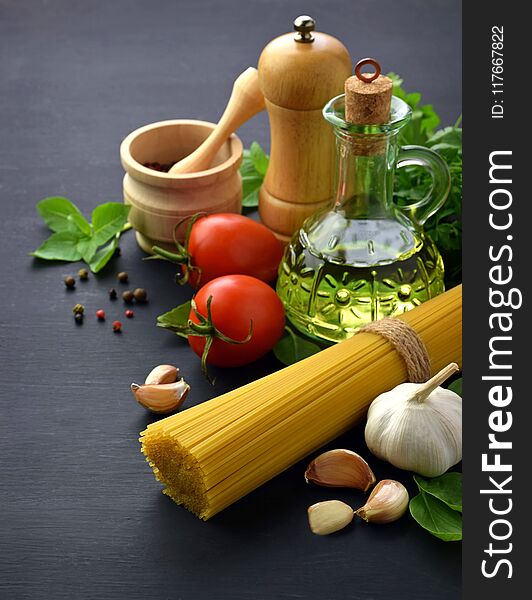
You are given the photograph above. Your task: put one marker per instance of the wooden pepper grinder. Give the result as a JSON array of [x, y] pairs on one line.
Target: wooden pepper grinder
[[298, 75]]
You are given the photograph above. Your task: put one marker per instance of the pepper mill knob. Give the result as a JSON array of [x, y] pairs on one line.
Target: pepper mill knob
[[304, 25]]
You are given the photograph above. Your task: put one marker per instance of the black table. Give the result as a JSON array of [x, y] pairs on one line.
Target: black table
[[81, 514]]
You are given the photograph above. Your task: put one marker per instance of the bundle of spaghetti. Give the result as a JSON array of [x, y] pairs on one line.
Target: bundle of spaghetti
[[214, 453]]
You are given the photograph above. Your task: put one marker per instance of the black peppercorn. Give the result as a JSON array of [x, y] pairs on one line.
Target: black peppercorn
[[78, 317], [128, 297], [70, 282], [112, 294], [123, 277], [140, 295], [83, 274]]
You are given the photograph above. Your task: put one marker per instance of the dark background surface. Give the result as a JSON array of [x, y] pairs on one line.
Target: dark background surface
[[81, 514]]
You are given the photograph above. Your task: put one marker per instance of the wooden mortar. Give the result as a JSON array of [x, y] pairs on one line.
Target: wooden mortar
[[160, 200]]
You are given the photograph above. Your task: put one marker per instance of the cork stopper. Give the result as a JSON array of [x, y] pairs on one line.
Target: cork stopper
[[368, 96]]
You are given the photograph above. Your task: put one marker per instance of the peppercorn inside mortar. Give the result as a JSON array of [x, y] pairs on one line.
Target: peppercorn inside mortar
[[163, 168]]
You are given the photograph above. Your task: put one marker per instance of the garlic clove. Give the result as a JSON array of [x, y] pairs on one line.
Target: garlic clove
[[329, 516], [162, 374], [163, 398], [387, 502], [340, 468]]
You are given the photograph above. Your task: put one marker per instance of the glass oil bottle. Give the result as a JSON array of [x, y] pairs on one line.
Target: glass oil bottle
[[366, 258]]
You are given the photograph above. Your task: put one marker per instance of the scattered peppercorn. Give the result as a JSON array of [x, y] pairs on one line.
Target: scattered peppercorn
[[163, 168], [112, 294], [117, 326], [100, 314], [128, 297], [70, 282], [78, 317], [140, 295], [83, 274], [78, 309], [129, 314], [123, 277]]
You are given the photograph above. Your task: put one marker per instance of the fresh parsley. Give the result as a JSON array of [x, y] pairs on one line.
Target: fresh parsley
[[413, 183], [74, 238]]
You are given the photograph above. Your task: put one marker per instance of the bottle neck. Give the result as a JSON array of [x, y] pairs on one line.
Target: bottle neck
[[365, 174]]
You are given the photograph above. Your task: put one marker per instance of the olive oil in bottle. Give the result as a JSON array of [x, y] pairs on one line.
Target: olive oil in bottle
[[330, 296]]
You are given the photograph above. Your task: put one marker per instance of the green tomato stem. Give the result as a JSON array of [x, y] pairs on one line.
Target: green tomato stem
[[171, 256]]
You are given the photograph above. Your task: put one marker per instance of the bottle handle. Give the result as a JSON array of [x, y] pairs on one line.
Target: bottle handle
[[420, 156]]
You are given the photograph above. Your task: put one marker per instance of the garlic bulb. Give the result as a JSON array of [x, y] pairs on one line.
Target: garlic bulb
[[417, 427]]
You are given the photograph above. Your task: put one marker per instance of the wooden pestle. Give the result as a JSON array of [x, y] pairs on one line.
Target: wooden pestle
[[245, 102]]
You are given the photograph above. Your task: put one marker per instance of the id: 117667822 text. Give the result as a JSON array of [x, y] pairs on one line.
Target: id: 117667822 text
[[497, 68]]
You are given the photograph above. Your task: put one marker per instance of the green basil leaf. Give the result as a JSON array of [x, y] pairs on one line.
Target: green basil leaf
[[259, 158], [247, 168], [59, 246], [61, 215], [81, 223], [176, 319], [456, 386], [447, 488], [87, 248], [253, 168], [436, 517], [103, 255], [107, 220], [292, 348], [250, 190]]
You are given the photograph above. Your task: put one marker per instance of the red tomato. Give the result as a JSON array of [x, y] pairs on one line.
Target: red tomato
[[229, 244], [238, 300]]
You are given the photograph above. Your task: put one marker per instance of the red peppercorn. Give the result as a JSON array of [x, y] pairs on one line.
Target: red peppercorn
[[117, 326], [100, 314], [130, 314]]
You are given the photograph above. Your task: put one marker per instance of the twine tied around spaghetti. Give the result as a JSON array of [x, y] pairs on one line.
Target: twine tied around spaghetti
[[408, 344]]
